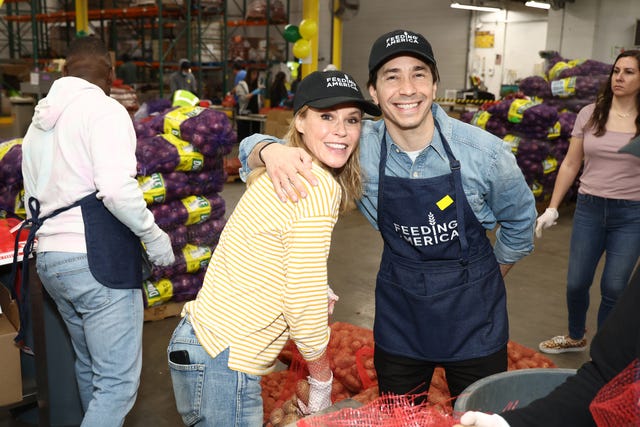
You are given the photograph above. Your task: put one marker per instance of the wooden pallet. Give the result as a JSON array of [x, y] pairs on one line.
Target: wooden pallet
[[233, 178], [163, 311]]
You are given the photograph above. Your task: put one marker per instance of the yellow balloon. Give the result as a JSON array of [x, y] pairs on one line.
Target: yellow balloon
[[308, 29], [301, 48]]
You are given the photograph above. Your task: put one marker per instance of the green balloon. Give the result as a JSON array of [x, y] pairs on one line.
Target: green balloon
[[291, 33]]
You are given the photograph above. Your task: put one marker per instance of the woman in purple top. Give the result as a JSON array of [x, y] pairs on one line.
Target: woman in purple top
[[607, 213]]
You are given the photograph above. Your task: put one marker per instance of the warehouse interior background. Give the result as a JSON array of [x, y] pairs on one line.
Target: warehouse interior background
[[499, 48]]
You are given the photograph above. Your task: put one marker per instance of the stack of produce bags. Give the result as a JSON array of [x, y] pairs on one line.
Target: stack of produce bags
[[531, 128], [11, 187], [180, 165], [180, 156], [537, 122], [127, 96]]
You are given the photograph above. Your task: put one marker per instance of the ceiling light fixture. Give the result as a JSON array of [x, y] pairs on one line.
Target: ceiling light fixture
[[472, 7], [538, 4]]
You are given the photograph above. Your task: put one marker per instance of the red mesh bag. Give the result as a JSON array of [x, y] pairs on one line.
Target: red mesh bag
[[350, 351], [353, 347], [351, 354], [616, 404], [387, 411]]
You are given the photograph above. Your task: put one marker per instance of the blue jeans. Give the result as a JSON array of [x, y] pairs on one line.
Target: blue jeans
[[105, 326], [207, 392], [600, 226]]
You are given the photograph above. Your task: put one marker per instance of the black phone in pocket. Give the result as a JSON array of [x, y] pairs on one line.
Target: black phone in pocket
[[179, 357]]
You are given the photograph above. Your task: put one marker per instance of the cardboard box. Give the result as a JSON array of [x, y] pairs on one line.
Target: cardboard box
[[10, 370], [278, 122]]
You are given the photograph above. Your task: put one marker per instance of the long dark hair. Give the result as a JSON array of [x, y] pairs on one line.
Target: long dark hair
[[598, 120], [252, 82]]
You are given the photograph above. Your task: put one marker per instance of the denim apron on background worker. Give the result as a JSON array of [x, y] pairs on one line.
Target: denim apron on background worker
[[440, 296], [81, 145], [103, 234]]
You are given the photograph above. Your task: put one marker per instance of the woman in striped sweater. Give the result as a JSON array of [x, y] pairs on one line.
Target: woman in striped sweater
[[267, 279]]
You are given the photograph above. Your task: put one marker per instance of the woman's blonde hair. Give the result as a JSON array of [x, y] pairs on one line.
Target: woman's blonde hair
[[348, 176]]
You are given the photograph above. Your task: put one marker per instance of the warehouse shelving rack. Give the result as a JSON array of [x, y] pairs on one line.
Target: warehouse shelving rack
[[26, 31], [20, 27], [270, 24], [165, 31]]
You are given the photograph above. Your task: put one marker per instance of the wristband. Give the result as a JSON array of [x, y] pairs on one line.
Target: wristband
[[263, 147]]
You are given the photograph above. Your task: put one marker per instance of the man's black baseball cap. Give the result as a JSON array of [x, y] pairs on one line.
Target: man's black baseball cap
[[326, 89], [400, 42]]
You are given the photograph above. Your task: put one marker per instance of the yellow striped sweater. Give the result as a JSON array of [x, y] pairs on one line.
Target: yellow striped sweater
[[267, 279]]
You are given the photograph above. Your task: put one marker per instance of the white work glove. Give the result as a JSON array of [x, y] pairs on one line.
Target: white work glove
[[546, 220], [319, 396], [332, 300], [158, 247], [480, 419]]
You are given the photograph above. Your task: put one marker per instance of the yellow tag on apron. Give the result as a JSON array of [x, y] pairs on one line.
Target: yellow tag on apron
[[445, 202]]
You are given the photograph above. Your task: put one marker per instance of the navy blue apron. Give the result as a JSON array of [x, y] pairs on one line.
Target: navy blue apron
[[440, 295], [114, 252]]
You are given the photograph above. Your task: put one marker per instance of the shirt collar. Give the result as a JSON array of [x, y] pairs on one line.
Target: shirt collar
[[436, 143]]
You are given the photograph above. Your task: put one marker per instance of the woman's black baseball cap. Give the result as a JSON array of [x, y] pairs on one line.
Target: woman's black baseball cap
[[326, 89]]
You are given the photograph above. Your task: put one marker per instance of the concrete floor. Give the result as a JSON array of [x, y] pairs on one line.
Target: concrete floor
[[535, 286]]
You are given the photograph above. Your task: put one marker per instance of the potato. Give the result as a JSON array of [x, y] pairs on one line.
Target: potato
[[289, 407], [352, 383], [277, 415], [302, 391]]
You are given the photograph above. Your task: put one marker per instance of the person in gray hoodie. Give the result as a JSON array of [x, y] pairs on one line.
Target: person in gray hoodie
[[88, 212]]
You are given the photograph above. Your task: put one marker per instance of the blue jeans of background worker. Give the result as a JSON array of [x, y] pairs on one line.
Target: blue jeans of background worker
[[207, 392], [600, 226], [105, 326]]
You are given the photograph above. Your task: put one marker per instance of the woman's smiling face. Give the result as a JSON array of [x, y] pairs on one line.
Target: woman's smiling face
[[331, 135]]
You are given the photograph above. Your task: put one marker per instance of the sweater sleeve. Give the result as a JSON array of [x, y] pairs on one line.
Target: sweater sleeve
[[306, 308], [614, 347], [112, 146], [307, 250], [513, 206]]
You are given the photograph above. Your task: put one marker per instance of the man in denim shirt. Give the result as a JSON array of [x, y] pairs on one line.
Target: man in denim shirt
[[433, 186]]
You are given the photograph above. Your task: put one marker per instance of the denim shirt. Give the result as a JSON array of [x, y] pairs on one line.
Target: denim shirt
[[492, 181]]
